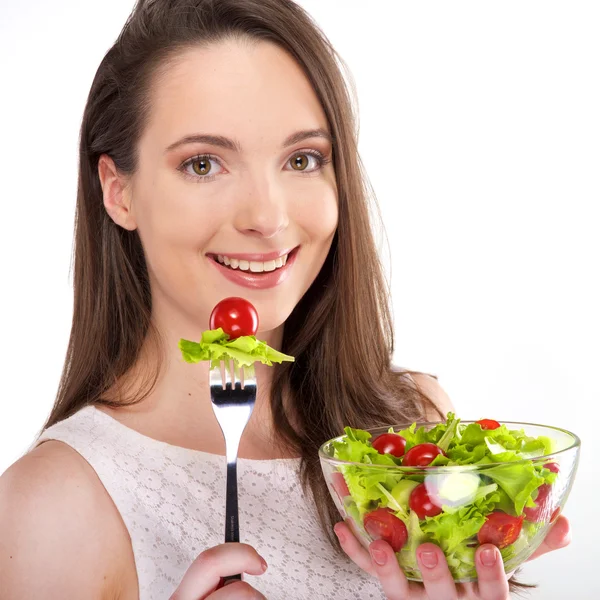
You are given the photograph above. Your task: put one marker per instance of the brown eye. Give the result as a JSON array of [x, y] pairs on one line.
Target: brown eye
[[300, 162], [203, 167]]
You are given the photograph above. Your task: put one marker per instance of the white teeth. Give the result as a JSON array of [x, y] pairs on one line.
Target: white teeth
[[253, 266]]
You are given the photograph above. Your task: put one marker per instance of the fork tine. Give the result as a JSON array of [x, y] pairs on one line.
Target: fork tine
[[232, 373], [227, 371], [223, 376]]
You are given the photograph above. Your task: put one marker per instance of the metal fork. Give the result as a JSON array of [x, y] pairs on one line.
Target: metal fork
[[233, 402]]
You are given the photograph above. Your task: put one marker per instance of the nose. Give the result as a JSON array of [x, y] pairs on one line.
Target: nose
[[262, 209]]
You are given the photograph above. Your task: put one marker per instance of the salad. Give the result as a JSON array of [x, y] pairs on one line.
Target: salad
[[457, 509], [232, 335]]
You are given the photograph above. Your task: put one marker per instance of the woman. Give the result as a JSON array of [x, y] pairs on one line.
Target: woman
[[246, 97]]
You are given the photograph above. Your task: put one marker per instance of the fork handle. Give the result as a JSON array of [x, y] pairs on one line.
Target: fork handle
[[232, 529], [225, 580]]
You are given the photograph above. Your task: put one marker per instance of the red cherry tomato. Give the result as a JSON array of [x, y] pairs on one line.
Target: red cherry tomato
[[540, 510], [420, 501], [500, 529], [488, 423], [552, 466], [339, 485], [389, 443], [421, 455], [236, 316], [383, 524]]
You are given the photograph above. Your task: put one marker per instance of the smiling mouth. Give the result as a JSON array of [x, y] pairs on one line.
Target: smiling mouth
[[253, 267]]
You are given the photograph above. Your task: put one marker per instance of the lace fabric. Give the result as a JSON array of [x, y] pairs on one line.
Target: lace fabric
[[172, 501]]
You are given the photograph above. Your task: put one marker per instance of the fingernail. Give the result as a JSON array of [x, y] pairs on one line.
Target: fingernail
[[488, 557], [379, 556], [340, 535], [429, 559], [264, 564]]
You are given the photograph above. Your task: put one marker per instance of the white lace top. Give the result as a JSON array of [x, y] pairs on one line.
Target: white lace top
[[172, 500]]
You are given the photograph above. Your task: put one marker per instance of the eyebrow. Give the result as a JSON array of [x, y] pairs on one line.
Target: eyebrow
[[235, 146]]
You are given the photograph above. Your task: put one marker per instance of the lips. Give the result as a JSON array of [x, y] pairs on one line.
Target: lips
[[264, 280], [255, 257]]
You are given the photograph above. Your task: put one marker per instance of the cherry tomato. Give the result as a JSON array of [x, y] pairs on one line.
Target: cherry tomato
[[540, 510], [339, 485], [500, 529], [236, 316], [552, 466], [389, 443], [383, 524], [488, 423], [420, 501], [421, 455]]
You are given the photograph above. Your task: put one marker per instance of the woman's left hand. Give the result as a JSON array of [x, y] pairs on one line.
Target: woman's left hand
[[491, 584]]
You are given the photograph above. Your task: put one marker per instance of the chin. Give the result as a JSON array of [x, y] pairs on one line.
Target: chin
[[273, 310], [270, 323]]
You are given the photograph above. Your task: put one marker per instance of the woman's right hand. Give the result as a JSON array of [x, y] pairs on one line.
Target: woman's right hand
[[201, 580]]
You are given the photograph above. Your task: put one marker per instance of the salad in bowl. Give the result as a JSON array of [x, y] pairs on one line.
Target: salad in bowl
[[455, 484]]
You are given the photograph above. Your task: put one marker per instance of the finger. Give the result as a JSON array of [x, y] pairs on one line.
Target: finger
[[437, 579], [238, 590], [353, 548], [226, 559], [558, 537], [392, 579], [492, 582]]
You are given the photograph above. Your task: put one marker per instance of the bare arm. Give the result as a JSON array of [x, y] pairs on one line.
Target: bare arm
[[58, 534], [433, 390]]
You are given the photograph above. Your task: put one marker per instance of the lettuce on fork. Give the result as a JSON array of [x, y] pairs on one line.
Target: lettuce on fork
[[215, 345]]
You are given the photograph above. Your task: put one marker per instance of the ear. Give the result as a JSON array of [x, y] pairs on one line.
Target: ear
[[116, 193]]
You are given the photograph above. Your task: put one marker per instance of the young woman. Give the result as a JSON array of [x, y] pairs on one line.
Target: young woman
[[217, 127]]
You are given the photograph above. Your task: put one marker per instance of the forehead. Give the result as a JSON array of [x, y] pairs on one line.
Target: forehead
[[254, 92]]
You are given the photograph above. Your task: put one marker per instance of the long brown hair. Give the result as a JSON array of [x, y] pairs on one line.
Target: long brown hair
[[341, 332]]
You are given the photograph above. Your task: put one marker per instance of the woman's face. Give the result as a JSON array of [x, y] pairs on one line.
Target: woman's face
[[269, 196]]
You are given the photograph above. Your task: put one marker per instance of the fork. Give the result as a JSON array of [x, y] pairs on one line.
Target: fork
[[233, 402]]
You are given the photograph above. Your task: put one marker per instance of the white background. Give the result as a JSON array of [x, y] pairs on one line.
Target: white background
[[480, 131]]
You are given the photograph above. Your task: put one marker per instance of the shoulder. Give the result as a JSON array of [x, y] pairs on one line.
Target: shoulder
[[430, 386], [54, 514]]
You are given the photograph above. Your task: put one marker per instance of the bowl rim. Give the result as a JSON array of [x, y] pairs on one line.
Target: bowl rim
[[575, 443]]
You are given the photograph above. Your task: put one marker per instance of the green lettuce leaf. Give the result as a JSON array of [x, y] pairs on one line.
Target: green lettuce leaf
[[450, 529], [215, 345], [414, 436], [450, 433], [354, 448], [518, 481], [462, 454], [461, 562], [407, 557]]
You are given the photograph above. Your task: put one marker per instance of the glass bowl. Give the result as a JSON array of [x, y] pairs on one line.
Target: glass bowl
[[468, 504]]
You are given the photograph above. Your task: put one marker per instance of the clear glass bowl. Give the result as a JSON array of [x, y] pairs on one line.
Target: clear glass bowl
[[453, 488]]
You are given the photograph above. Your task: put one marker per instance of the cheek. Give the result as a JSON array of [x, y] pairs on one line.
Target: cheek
[[317, 216], [175, 220], [176, 229]]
